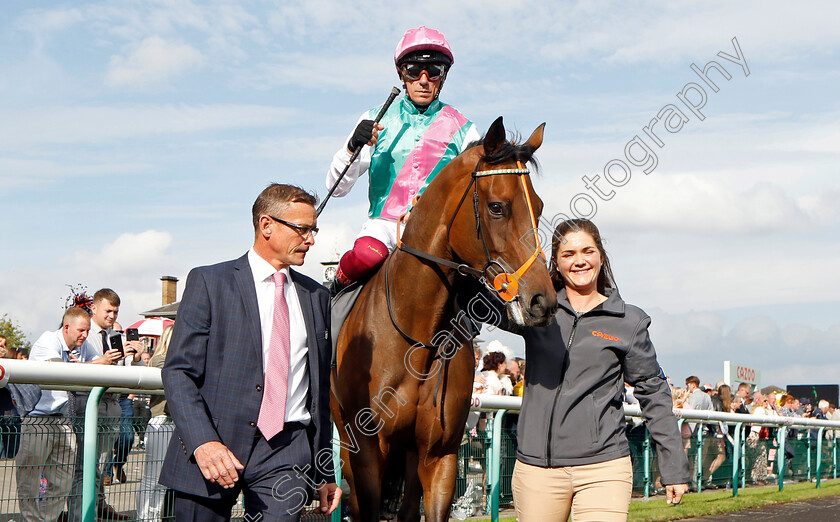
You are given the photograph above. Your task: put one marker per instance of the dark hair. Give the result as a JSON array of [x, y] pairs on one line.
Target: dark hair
[[693, 379], [725, 394], [274, 199], [492, 361], [107, 294], [605, 276]]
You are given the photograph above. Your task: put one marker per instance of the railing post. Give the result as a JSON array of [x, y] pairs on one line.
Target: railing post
[[834, 455], [744, 456], [494, 471], [336, 448], [808, 455], [780, 457], [820, 434], [698, 458], [90, 457], [736, 458], [646, 461]]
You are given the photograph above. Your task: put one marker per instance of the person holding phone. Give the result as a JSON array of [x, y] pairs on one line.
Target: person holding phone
[[109, 349]]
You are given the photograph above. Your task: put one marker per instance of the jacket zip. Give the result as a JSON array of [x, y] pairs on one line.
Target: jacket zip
[[556, 395]]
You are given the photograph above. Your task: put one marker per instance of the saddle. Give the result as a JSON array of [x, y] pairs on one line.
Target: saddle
[[342, 304]]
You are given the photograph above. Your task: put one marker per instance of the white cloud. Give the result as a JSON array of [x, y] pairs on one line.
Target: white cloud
[[152, 61], [129, 254], [103, 124], [16, 172]]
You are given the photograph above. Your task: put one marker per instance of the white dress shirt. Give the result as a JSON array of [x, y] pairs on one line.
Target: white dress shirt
[[298, 383], [51, 347], [95, 340]]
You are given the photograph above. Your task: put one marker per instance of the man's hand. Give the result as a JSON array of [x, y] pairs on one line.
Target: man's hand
[[218, 464], [134, 348], [366, 133], [109, 357], [674, 493], [329, 496]]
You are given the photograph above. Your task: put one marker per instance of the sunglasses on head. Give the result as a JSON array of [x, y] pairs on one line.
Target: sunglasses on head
[[412, 71]]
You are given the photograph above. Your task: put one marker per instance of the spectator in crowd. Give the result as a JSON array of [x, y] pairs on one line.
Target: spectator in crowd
[[493, 372], [697, 398], [519, 386], [833, 415], [743, 393], [477, 355], [722, 402], [679, 399], [48, 447], [790, 408], [104, 312], [9, 417], [142, 415], [756, 449], [151, 494]]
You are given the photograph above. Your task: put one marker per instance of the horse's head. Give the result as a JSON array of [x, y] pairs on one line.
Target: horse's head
[[494, 224]]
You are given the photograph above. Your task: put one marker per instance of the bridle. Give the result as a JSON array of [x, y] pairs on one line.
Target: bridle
[[504, 283]]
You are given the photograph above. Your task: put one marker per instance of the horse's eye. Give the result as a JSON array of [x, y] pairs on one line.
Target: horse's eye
[[496, 208]]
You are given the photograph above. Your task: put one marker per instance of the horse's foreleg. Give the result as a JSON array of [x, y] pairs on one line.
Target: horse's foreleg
[[410, 507], [368, 465], [437, 474]]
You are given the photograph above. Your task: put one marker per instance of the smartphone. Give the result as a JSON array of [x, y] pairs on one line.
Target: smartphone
[[116, 343], [132, 334]]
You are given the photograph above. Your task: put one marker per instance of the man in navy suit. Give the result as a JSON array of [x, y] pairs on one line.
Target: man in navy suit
[[247, 376]]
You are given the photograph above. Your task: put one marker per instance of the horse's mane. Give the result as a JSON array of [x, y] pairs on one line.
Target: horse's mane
[[509, 151]]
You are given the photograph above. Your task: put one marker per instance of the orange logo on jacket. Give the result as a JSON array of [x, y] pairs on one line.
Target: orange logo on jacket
[[608, 337]]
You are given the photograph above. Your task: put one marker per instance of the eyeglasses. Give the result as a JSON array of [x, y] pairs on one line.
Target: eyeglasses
[[300, 229], [412, 71]]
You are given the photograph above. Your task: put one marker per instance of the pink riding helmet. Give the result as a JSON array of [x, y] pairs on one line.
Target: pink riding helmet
[[422, 38]]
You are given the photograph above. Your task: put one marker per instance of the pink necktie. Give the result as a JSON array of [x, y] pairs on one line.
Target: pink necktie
[[273, 407]]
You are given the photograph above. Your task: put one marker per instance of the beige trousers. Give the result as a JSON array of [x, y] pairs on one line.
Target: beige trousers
[[48, 447], [591, 492]]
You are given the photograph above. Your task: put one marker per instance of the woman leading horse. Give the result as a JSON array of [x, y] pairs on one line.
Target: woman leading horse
[[402, 382]]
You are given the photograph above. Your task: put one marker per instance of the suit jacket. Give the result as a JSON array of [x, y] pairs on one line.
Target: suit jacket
[[213, 375]]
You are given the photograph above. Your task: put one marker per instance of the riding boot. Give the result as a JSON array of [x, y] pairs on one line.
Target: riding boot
[[336, 286]]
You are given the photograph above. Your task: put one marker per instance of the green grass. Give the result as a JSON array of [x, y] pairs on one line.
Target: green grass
[[697, 505], [715, 503]]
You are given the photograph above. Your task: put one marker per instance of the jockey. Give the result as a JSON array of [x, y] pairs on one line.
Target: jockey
[[414, 140]]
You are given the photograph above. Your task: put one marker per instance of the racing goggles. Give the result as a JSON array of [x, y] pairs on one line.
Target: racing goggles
[[412, 71]]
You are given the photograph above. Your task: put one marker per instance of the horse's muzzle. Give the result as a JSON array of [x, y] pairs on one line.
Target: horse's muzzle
[[541, 309]]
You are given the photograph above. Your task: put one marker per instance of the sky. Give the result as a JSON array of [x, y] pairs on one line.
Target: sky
[[135, 136]]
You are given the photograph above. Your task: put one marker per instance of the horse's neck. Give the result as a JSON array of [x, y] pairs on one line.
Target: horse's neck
[[423, 286]]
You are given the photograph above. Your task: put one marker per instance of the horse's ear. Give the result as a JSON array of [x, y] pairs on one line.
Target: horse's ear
[[495, 137], [536, 138]]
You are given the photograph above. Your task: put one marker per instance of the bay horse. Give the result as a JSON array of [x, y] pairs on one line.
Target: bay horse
[[402, 384]]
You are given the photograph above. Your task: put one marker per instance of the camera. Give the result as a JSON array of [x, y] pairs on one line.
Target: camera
[[132, 334], [116, 343]]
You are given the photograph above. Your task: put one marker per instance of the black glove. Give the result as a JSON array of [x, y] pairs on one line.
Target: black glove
[[362, 135]]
